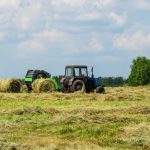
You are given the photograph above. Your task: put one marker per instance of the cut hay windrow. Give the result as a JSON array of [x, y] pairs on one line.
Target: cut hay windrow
[[11, 85], [43, 86]]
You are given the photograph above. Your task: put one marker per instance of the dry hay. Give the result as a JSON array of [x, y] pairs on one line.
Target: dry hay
[[36, 110], [126, 93], [7, 146], [4, 145], [24, 89], [88, 116], [53, 143], [112, 94], [43, 86], [139, 110], [138, 135], [11, 85]]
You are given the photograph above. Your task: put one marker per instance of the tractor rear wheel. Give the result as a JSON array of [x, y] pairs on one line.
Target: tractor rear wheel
[[100, 89], [78, 85]]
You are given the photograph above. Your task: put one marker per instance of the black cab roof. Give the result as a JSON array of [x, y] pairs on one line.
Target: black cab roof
[[76, 66]]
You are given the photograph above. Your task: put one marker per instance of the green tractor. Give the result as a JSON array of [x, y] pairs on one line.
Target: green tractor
[[32, 75], [77, 78]]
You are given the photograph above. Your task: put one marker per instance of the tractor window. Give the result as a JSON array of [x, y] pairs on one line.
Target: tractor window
[[30, 74], [77, 72], [84, 72], [69, 72]]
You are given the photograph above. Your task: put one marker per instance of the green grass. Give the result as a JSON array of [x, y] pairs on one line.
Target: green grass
[[117, 120]]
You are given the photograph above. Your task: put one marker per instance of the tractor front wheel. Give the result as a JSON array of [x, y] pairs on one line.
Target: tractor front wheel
[[100, 89], [78, 85]]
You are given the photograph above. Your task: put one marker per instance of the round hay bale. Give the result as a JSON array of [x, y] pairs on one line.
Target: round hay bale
[[43, 86], [11, 85]]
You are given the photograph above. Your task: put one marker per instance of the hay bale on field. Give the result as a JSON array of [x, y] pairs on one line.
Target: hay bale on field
[[11, 85], [43, 86]]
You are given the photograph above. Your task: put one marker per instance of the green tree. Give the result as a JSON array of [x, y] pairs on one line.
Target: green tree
[[140, 72]]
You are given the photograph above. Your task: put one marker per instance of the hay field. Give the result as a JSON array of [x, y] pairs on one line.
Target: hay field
[[120, 119]]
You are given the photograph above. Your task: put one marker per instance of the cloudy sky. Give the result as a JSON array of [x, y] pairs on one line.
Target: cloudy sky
[[49, 34]]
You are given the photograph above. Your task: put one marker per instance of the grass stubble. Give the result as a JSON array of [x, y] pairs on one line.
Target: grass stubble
[[119, 119]]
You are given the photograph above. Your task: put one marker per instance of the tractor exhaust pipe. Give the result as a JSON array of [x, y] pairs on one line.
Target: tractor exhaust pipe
[[92, 72]]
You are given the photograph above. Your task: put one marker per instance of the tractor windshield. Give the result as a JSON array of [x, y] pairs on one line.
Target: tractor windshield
[[69, 72], [80, 72]]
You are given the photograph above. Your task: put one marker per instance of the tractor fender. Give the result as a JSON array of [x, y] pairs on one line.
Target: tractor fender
[[62, 80], [71, 81]]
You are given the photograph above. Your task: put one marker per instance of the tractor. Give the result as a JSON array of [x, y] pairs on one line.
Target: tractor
[[32, 75], [77, 79]]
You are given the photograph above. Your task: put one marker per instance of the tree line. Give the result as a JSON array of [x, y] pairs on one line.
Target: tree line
[[113, 81], [139, 75]]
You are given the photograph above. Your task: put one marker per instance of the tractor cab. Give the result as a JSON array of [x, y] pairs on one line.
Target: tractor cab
[[76, 71], [77, 79]]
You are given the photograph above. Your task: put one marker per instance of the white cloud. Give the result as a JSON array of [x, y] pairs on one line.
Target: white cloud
[[138, 41], [87, 10], [50, 35], [45, 41], [71, 3], [80, 3], [80, 7], [142, 4], [2, 35], [35, 15], [94, 45], [30, 47], [89, 16], [29, 17], [103, 3], [107, 2], [9, 3], [108, 58], [119, 19], [112, 17]]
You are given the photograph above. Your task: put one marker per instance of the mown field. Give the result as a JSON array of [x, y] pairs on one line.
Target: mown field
[[120, 119]]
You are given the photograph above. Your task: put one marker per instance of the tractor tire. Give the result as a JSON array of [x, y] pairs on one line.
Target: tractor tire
[[63, 90], [78, 85], [100, 89]]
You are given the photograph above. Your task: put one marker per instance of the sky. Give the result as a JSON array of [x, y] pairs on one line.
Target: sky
[[50, 34]]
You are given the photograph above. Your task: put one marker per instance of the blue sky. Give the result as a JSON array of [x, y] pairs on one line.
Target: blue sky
[[49, 34]]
